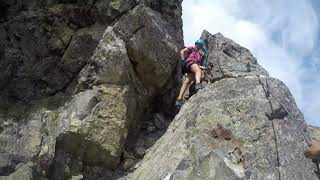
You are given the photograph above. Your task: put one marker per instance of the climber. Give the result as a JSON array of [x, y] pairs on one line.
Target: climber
[[190, 66], [313, 151]]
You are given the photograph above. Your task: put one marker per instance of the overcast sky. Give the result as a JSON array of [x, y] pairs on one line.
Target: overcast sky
[[282, 34]]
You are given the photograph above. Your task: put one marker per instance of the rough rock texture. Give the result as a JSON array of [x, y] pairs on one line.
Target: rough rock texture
[[228, 59], [58, 31], [314, 133], [73, 86], [142, 32], [87, 87], [264, 144]]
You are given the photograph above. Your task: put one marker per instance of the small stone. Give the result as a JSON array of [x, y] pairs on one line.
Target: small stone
[[149, 141], [79, 177], [6, 123], [128, 164], [139, 152], [44, 151], [221, 132], [151, 129]]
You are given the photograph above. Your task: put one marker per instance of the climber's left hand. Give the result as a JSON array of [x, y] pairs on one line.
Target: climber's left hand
[[313, 151]]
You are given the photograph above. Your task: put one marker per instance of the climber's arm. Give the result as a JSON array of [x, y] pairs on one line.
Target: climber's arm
[[183, 52]]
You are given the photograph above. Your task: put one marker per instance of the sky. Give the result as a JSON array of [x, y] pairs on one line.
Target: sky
[[282, 34]]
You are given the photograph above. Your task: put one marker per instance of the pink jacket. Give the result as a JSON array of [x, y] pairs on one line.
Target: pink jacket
[[195, 55]]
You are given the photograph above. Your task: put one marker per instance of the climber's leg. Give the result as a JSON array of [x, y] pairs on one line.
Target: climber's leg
[[188, 80], [197, 73]]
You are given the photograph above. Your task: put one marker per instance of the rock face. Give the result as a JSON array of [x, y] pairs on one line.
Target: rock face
[[87, 89], [314, 133], [76, 78], [233, 128], [42, 44]]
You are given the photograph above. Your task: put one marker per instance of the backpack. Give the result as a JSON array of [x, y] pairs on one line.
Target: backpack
[[183, 64]]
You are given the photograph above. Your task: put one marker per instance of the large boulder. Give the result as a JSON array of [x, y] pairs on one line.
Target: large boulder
[[152, 48], [229, 59], [72, 91], [42, 43], [233, 128], [171, 11], [98, 118]]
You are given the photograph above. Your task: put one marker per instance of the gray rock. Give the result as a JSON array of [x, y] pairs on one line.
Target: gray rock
[[150, 140], [22, 173], [139, 151], [314, 133], [77, 78], [171, 11], [109, 64], [98, 119], [159, 121], [42, 43], [77, 12], [142, 30], [70, 92], [75, 57], [261, 147], [151, 129], [78, 177], [242, 110], [128, 164], [22, 143], [228, 59]]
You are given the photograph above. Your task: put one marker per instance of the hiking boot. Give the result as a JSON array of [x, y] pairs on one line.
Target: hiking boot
[[179, 103], [199, 86]]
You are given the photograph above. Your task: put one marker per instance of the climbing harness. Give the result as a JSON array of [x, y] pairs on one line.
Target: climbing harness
[[306, 138]]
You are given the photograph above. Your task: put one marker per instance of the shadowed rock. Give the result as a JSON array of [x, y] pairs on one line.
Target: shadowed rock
[[73, 87]]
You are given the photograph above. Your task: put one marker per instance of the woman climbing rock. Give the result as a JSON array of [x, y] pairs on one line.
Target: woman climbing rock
[[191, 57]]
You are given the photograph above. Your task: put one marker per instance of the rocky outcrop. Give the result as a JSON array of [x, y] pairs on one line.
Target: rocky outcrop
[[233, 128], [227, 59], [314, 133], [76, 78], [42, 44], [87, 88]]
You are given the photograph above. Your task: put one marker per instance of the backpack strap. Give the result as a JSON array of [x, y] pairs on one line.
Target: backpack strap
[[189, 53]]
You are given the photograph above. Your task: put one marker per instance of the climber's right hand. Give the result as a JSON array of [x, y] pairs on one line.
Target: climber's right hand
[[313, 151]]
